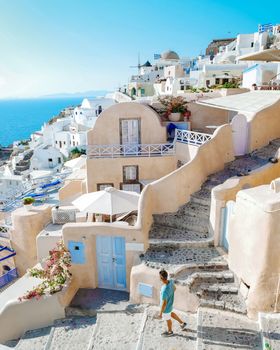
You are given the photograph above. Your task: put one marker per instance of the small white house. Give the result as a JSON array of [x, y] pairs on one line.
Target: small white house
[[10, 184], [45, 158]]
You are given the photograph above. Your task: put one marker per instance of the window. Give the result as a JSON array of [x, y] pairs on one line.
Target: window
[[131, 187], [64, 142], [101, 187], [252, 44], [207, 82], [50, 159], [73, 143], [56, 142], [130, 173], [59, 160], [217, 81]]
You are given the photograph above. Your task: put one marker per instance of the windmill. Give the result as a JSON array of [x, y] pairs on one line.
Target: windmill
[[138, 65]]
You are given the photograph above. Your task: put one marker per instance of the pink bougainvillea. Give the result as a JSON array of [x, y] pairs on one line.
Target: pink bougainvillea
[[55, 274]]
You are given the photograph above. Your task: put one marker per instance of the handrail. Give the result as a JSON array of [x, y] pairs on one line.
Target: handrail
[[191, 137], [132, 150]]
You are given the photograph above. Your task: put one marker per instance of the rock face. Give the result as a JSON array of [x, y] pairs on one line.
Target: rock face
[[181, 241]]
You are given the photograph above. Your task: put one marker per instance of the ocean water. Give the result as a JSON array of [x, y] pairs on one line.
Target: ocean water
[[20, 118]]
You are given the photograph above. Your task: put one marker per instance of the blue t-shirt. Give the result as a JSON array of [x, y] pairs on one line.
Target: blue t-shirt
[[167, 293]]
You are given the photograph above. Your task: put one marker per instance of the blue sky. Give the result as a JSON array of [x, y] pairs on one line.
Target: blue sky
[[50, 46]]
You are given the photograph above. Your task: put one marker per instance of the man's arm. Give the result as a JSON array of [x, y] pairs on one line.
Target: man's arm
[[163, 306]]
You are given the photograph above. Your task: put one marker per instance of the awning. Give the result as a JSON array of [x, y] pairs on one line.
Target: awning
[[269, 55], [247, 102]]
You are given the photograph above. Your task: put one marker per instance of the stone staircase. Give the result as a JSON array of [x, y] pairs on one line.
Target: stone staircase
[[181, 243]]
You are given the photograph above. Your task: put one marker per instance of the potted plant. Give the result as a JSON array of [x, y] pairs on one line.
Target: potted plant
[[28, 202], [174, 106]]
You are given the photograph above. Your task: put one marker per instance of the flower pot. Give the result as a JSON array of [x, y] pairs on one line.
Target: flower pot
[[174, 117], [28, 207]]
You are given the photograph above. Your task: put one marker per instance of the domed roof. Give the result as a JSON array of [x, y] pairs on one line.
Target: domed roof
[[170, 55]]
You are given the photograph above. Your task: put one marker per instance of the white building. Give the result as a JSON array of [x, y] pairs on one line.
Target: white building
[[10, 184], [261, 74], [46, 158], [69, 132], [224, 66], [149, 79]]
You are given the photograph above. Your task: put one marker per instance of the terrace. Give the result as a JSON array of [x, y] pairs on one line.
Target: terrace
[[148, 150]]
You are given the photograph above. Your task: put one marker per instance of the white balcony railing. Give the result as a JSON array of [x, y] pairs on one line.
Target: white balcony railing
[[191, 137], [139, 150]]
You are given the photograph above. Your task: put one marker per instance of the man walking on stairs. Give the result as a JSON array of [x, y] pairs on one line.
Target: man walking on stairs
[[166, 303]]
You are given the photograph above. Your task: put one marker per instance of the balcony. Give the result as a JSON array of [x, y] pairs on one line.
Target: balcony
[[191, 137], [138, 150]]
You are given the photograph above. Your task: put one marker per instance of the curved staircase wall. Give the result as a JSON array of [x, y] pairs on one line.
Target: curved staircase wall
[[174, 189], [264, 126]]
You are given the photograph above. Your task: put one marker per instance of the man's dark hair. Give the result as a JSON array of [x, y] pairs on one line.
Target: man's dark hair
[[163, 274]]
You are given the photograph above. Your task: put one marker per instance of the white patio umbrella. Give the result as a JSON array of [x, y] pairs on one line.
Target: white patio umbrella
[[109, 201]]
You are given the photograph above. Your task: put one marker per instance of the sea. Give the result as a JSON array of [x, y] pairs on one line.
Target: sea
[[20, 118]]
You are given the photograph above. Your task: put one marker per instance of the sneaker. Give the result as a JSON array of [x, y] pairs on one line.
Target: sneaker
[[183, 325], [167, 334]]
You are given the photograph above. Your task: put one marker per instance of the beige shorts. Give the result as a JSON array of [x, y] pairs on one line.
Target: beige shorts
[[167, 316]]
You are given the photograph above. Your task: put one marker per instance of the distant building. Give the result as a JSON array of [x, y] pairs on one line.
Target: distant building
[[214, 47]]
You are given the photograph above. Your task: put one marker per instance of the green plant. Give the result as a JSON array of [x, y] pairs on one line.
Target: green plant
[[55, 274], [28, 200], [267, 346], [174, 104], [76, 152]]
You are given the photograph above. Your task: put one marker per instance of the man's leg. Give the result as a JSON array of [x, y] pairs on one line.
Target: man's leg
[[169, 325], [176, 317]]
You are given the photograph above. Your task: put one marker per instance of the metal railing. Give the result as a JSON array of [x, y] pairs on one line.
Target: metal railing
[[8, 277], [191, 137], [138, 150]]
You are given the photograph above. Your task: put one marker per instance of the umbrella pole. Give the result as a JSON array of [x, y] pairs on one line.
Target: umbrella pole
[[111, 218]]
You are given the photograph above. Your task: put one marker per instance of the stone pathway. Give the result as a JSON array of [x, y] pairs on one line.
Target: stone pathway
[[115, 331], [220, 330], [120, 325], [182, 339]]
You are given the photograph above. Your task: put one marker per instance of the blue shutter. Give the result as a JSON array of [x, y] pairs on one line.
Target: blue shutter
[[77, 251]]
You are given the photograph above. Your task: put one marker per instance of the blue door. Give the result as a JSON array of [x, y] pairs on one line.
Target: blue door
[[111, 264]]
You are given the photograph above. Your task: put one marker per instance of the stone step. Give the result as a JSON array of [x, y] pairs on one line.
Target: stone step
[[181, 340], [171, 233], [36, 339], [186, 223], [72, 333], [116, 331], [186, 259], [195, 198], [171, 219], [195, 210], [216, 289], [72, 311], [175, 243], [197, 278], [275, 142], [220, 330]]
